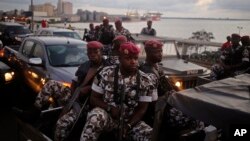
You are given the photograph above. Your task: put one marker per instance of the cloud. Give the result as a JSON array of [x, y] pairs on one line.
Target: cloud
[[202, 8]]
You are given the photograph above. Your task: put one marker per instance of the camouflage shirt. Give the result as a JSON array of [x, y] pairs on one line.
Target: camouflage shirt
[[104, 84], [123, 32]]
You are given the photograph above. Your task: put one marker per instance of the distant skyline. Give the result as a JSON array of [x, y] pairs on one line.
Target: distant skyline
[[170, 8]]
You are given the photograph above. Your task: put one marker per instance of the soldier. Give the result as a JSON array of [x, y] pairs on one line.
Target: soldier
[[90, 35], [245, 41], [120, 94], [113, 58], [85, 75], [159, 110], [120, 30], [231, 60], [106, 36], [148, 30]]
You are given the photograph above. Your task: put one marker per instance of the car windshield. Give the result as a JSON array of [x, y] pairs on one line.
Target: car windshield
[[68, 34], [67, 55], [18, 30]]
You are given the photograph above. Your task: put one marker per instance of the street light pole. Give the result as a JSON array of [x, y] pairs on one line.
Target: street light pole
[[240, 28], [32, 16]]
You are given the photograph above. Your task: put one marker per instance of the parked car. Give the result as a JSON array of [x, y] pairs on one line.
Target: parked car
[[40, 59], [13, 33], [58, 32]]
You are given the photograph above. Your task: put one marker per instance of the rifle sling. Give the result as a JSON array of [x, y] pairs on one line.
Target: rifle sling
[[116, 76]]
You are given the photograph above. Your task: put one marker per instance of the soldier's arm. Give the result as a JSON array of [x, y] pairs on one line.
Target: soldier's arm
[[138, 113]]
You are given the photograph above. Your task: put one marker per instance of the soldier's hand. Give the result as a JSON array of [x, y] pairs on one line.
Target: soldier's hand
[[114, 112]]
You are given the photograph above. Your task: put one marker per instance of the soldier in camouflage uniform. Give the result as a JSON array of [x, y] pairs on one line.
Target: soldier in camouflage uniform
[[172, 118], [95, 63], [120, 30], [113, 59], [131, 83], [245, 40], [231, 61], [106, 36]]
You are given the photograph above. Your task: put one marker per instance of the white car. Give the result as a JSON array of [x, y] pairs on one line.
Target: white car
[[58, 32]]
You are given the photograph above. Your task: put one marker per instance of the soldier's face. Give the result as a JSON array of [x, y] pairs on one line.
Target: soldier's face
[[94, 55], [129, 62], [155, 55]]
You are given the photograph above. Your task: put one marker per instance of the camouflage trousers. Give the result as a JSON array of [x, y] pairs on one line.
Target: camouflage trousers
[[53, 89], [217, 72], [98, 120], [64, 124]]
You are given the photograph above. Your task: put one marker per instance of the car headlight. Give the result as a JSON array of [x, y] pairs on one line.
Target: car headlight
[[9, 76], [178, 84]]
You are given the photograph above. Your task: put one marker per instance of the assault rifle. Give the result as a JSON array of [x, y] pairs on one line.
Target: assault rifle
[[121, 119]]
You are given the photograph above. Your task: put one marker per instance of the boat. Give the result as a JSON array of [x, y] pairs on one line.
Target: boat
[[154, 16], [131, 16]]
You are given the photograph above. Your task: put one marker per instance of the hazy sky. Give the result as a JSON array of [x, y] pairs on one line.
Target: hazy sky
[[170, 8]]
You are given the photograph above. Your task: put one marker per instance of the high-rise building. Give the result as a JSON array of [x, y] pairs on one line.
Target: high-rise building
[[47, 7], [60, 7], [67, 8]]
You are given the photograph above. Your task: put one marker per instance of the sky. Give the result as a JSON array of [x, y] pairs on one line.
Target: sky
[[169, 8]]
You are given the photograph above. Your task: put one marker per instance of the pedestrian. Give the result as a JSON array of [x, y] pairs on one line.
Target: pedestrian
[[120, 95], [148, 30], [89, 35]]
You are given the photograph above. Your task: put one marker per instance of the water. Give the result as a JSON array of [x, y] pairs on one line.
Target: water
[[183, 28]]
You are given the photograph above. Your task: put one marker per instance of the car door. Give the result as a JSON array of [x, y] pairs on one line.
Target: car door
[[37, 74]]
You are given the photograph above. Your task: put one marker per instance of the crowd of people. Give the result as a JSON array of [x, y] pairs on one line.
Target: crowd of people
[[120, 95], [234, 58]]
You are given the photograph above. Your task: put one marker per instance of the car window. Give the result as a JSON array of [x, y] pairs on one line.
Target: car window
[[38, 51], [27, 47], [67, 55], [17, 30], [43, 33], [68, 34]]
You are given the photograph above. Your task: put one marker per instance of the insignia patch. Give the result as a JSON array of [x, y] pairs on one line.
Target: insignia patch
[[154, 45], [125, 51]]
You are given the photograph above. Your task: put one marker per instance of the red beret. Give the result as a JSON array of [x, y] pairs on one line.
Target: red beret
[[118, 21], [94, 45], [235, 35], [105, 20], [120, 38], [153, 44], [245, 38], [129, 48]]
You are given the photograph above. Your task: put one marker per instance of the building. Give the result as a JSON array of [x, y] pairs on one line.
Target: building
[[67, 8], [60, 7], [47, 7]]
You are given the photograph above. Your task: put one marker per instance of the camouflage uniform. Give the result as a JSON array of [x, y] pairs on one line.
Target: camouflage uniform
[[98, 120], [170, 116], [60, 94], [66, 122], [125, 32], [230, 56], [106, 36]]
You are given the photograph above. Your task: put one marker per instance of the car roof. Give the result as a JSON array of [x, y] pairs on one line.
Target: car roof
[[56, 29], [54, 40], [10, 24]]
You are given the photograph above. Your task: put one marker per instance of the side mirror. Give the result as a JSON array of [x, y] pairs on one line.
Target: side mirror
[[36, 61], [1, 44]]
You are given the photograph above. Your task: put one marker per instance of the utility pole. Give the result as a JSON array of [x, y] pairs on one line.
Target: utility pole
[[240, 28], [32, 17]]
